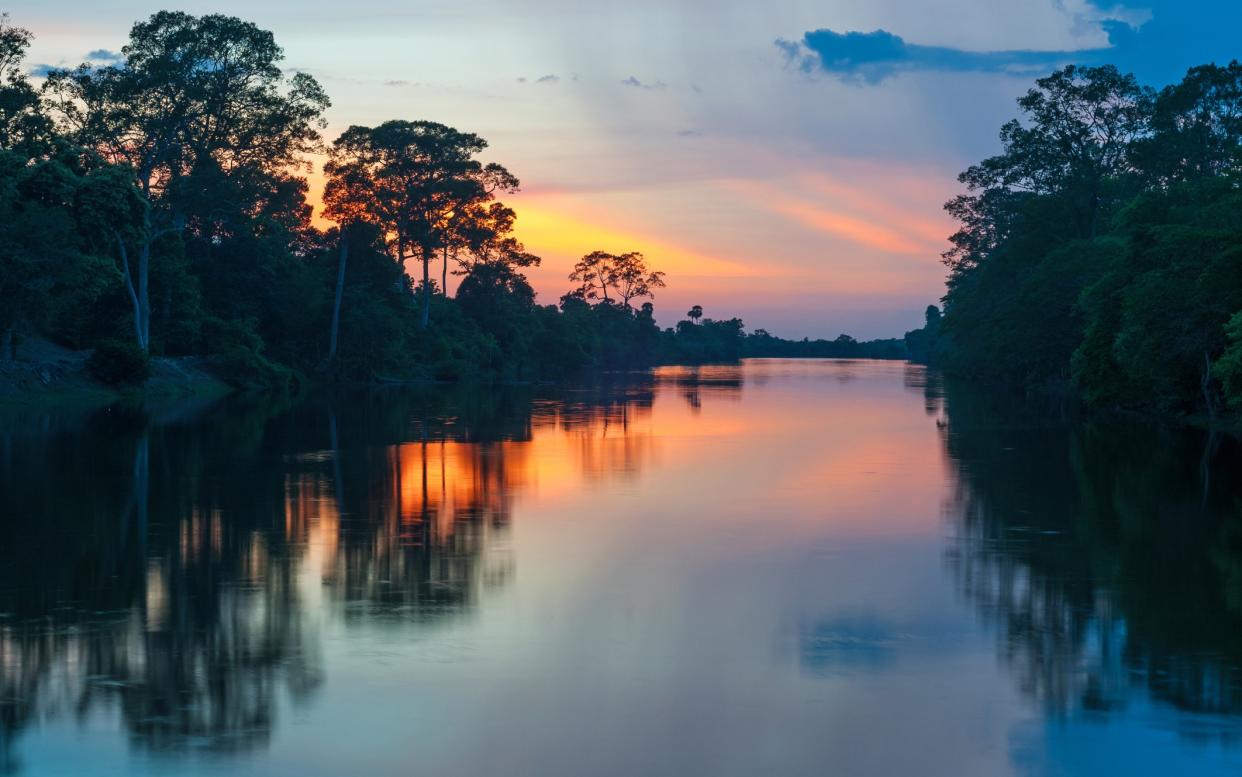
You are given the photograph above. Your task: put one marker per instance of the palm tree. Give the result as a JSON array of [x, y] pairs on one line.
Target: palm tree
[[695, 313]]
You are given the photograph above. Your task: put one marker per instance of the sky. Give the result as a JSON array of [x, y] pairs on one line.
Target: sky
[[784, 161]]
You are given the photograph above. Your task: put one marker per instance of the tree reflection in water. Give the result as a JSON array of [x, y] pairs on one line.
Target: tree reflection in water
[[176, 571], [1105, 552]]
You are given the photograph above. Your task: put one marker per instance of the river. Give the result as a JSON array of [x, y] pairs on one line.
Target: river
[[780, 567]]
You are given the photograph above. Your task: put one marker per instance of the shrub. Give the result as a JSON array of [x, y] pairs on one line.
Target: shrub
[[119, 363]]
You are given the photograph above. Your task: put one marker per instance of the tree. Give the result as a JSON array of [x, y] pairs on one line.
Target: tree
[[197, 100], [424, 185], [1196, 127], [626, 274], [633, 280], [46, 268], [486, 238], [695, 313], [593, 273], [347, 199], [24, 125], [1080, 124]]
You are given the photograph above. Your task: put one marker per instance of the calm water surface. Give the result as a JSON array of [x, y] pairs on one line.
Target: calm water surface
[[787, 567]]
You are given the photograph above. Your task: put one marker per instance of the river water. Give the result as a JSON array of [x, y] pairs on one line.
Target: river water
[[783, 567]]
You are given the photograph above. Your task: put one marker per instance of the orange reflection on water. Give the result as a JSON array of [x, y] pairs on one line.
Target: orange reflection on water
[[442, 483]]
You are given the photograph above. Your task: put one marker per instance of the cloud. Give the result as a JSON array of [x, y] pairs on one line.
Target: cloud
[[104, 55], [653, 86], [1157, 40], [548, 79], [871, 57], [690, 133], [42, 70]]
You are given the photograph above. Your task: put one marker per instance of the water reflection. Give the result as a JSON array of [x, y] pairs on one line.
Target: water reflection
[[1106, 552], [177, 570], [185, 576]]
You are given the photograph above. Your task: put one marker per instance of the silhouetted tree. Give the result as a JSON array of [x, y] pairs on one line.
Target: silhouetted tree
[[423, 179], [196, 99], [24, 125]]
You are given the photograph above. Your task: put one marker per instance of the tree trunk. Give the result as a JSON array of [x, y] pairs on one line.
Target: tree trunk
[[144, 299], [444, 274], [336, 302], [427, 257], [603, 285], [134, 299], [1205, 385]]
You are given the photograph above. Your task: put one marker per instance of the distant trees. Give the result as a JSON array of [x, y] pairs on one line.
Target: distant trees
[[1101, 248], [920, 342], [627, 275]]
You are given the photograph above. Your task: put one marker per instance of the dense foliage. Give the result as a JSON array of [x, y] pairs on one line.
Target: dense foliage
[[1103, 247], [156, 207]]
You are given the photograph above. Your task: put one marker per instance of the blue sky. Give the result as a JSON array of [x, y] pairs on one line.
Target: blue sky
[[784, 161]]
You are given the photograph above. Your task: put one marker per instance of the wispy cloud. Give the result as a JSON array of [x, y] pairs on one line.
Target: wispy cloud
[[548, 79], [871, 57], [652, 86]]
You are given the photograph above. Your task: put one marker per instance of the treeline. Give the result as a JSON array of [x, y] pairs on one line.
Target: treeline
[[156, 206], [760, 343], [1102, 248]]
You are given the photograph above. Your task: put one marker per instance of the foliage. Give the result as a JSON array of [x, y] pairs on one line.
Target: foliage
[[156, 207], [1101, 248], [119, 363]]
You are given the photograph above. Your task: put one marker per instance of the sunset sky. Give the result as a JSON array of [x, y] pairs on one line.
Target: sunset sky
[[779, 166]]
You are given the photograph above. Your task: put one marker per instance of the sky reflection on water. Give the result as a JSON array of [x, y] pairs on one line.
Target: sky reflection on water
[[788, 567]]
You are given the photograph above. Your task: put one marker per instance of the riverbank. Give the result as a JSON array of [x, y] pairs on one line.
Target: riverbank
[[46, 375]]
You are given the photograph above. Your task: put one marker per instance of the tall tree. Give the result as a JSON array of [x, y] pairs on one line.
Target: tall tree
[[195, 100], [633, 279], [348, 198], [593, 274], [1076, 137], [486, 238], [425, 182], [1196, 127], [24, 125], [627, 275]]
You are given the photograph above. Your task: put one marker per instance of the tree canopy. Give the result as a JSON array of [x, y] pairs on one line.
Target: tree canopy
[[156, 206], [1101, 248]]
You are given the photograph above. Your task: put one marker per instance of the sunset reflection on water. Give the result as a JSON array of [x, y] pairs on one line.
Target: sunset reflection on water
[[770, 566]]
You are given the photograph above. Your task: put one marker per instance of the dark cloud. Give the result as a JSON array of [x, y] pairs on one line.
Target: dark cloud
[[1158, 40], [653, 86], [871, 57], [548, 79], [42, 71], [104, 55]]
